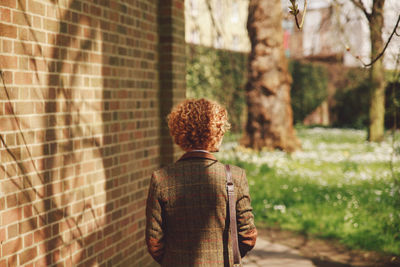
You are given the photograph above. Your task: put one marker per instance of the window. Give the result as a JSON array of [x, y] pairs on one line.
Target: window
[[219, 9], [235, 12], [194, 8], [219, 42], [235, 42], [195, 36]]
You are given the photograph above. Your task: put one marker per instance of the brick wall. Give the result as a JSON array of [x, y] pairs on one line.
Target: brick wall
[[84, 90], [172, 69]]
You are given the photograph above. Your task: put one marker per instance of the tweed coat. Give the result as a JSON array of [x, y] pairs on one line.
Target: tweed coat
[[187, 223]]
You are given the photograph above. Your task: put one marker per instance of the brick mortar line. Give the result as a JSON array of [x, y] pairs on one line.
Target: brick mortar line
[[74, 176], [104, 123], [84, 63], [84, 174], [85, 149], [65, 9], [98, 42], [79, 137]]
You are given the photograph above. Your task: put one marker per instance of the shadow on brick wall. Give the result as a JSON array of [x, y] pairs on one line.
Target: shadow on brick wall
[[67, 204]]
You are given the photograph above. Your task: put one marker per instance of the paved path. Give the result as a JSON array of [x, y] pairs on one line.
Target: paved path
[[267, 254]]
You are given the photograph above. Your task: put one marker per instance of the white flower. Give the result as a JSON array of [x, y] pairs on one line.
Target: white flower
[[281, 208]]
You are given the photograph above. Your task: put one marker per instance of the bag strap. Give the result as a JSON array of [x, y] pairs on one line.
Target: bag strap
[[232, 216]]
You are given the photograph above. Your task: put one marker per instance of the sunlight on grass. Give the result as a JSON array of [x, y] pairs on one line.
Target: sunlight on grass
[[339, 186]]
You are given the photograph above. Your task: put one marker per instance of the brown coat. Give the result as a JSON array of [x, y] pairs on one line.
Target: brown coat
[[186, 213]]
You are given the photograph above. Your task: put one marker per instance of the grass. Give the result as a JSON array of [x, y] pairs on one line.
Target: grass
[[338, 186]]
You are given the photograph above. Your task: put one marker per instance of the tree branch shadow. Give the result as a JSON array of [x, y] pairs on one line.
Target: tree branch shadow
[[53, 211]]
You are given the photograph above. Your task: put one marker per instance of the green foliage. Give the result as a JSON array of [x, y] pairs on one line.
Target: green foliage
[[352, 102], [309, 88], [338, 187], [219, 75], [392, 105], [352, 105]]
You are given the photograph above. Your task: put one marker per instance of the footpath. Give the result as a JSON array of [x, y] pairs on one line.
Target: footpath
[[270, 254]]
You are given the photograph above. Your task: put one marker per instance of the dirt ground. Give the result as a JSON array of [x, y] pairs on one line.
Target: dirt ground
[[328, 253]]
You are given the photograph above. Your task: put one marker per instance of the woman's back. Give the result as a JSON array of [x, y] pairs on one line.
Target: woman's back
[[186, 215], [193, 197]]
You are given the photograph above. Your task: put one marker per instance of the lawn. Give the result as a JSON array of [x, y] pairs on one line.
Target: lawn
[[338, 186]]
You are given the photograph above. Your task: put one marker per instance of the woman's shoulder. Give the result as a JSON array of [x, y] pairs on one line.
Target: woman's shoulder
[[235, 168], [178, 168]]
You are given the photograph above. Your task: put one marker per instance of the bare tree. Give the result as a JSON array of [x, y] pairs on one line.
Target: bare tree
[[375, 19]]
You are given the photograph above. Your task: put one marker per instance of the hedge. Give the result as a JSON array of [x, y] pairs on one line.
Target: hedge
[[221, 75]]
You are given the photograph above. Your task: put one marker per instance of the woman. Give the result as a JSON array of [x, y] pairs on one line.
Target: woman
[[186, 213]]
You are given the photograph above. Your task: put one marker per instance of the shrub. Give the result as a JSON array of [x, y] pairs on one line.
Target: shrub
[[392, 105], [309, 88], [352, 104], [219, 75]]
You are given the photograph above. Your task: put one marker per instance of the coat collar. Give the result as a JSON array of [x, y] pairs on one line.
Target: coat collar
[[198, 154]]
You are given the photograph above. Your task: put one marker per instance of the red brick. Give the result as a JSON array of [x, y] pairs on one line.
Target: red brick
[[109, 93], [5, 15], [28, 240], [9, 3], [11, 199], [37, 22], [7, 77], [8, 62], [11, 216], [27, 255], [23, 64], [2, 235], [28, 211], [23, 34], [7, 46], [22, 48], [11, 247], [25, 107], [36, 7], [37, 36], [27, 225], [50, 25], [20, 18], [12, 231], [40, 261], [23, 78], [8, 30]]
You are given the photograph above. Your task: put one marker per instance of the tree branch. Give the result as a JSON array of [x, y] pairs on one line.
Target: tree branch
[[360, 5], [213, 20], [295, 11], [386, 45]]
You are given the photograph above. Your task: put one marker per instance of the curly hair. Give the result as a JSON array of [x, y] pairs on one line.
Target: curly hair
[[198, 124]]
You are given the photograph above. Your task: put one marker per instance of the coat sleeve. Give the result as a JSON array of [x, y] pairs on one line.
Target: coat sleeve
[[154, 222], [247, 231]]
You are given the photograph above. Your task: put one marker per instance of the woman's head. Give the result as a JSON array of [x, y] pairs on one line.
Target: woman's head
[[198, 124]]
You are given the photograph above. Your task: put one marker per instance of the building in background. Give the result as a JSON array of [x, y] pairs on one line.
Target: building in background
[[330, 28], [217, 23]]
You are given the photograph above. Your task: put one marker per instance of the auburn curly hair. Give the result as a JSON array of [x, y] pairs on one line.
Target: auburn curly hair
[[198, 124]]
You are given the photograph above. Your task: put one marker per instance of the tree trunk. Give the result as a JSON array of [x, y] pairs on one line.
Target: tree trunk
[[270, 118], [377, 74]]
